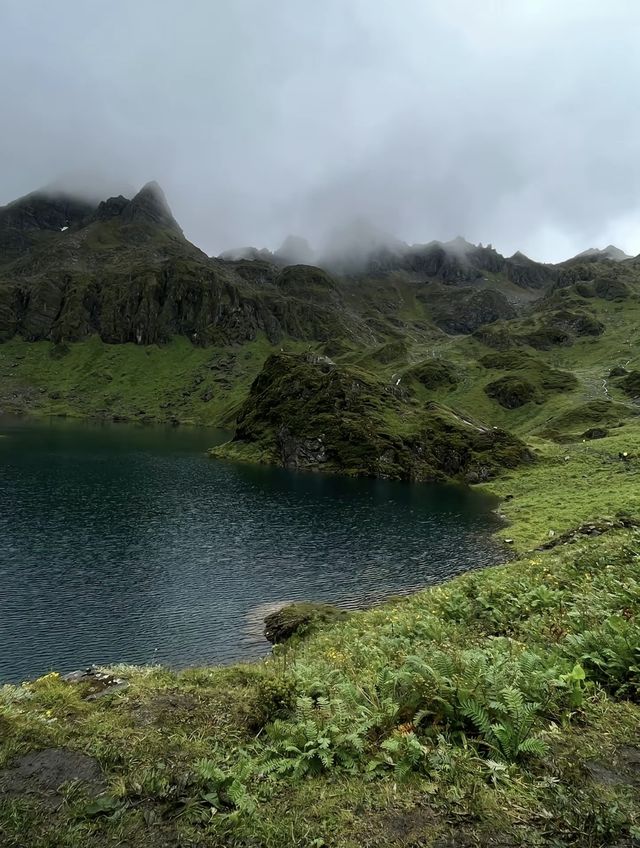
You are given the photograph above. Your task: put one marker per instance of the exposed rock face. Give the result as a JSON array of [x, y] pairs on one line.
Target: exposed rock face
[[611, 288], [295, 250], [124, 270], [465, 310], [611, 252], [301, 453], [150, 206], [36, 213]]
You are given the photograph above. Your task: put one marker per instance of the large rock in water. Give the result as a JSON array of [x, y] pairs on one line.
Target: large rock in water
[[298, 619], [303, 411]]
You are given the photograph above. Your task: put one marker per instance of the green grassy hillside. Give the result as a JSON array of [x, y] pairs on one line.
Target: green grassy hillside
[[499, 709]]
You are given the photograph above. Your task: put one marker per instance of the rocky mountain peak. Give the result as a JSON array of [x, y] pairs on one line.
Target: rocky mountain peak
[[150, 205], [42, 210], [610, 252]]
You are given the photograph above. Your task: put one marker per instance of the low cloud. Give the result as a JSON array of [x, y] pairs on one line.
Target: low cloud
[[511, 123]]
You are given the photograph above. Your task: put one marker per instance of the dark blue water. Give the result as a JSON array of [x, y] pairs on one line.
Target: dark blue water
[[123, 543]]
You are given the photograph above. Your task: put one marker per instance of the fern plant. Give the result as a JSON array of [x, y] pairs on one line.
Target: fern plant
[[611, 654], [506, 725], [322, 735], [223, 790]]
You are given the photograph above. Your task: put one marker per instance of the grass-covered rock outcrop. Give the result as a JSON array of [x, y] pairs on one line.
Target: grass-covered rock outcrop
[[306, 412], [511, 391]]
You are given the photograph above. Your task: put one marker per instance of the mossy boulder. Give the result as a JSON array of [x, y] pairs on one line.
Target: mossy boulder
[[531, 369], [585, 290], [595, 433], [434, 374], [299, 619], [579, 323], [305, 280], [392, 352], [553, 380], [611, 288], [511, 391], [618, 371], [548, 336]]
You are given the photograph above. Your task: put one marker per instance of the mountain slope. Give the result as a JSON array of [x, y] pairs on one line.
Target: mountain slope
[[107, 310]]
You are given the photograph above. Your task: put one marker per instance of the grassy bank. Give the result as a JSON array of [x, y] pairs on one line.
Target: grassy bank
[[177, 381], [570, 484], [498, 709]]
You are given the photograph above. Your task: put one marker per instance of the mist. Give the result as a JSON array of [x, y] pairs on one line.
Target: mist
[[510, 123]]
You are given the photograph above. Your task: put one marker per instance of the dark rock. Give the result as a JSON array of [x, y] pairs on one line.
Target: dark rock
[[611, 288], [150, 206], [464, 311], [301, 453], [630, 384], [95, 683], [577, 322], [595, 433], [305, 413], [621, 522], [618, 371], [298, 619]]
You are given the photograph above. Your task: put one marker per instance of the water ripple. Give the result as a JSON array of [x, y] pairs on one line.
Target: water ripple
[[126, 544]]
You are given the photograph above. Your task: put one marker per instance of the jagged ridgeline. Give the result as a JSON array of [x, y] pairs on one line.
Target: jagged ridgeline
[[122, 269], [407, 361]]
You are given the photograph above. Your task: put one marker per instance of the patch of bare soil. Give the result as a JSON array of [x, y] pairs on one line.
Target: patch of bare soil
[[43, 774]]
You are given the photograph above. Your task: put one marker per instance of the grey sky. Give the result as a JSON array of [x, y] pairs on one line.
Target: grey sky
[[514, 122]]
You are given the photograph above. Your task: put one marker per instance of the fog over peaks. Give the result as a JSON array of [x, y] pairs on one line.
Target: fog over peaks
[[511, 123]]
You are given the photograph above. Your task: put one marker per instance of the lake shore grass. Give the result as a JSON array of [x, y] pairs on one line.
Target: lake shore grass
[[499, 708]]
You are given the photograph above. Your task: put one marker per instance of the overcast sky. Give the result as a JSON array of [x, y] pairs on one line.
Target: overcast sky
[[514, 122]]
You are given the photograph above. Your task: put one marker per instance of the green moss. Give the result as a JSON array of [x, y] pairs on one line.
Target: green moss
[[511, 391], [434, 374], [591, 413]]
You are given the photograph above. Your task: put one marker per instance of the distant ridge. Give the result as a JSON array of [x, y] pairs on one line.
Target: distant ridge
[[609, 252]]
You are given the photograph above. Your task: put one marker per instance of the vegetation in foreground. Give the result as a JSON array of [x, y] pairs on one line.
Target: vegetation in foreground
[[501, 708]]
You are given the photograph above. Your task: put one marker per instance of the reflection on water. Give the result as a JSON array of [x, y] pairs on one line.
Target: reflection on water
[[122, 543]]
